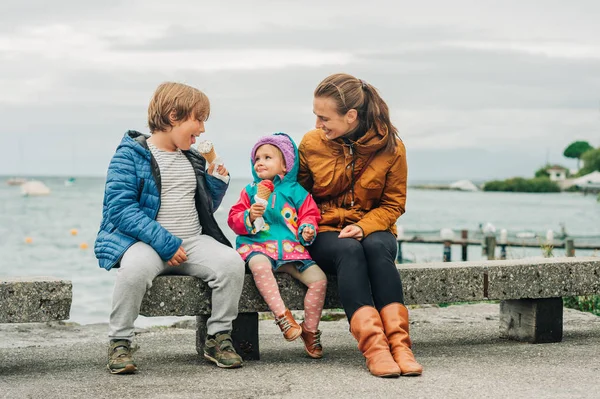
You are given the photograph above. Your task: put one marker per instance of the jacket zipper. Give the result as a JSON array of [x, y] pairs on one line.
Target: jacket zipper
[[140, 191], [351, 186]]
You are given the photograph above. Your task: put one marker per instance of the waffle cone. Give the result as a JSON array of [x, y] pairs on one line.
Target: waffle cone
[[263, 192], [210, 156]]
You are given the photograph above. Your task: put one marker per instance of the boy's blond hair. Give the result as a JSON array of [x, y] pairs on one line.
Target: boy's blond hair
[[184, 100]]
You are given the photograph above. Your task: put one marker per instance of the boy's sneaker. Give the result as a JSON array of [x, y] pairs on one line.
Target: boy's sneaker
[[219, 350], [120, 360]]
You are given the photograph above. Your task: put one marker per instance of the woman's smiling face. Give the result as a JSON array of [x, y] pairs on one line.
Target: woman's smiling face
[[333, 124]]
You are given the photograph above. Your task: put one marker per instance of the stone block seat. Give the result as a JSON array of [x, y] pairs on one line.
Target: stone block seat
[[34, 299], [530, 291]]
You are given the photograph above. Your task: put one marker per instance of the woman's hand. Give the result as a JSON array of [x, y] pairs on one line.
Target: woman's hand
[[352, 231], [256, 211], [220, 169], [179, 257]]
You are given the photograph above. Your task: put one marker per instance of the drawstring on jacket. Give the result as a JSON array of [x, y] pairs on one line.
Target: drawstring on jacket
[[350, 145]]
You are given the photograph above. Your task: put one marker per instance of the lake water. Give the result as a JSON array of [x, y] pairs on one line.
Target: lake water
[[54, 251]]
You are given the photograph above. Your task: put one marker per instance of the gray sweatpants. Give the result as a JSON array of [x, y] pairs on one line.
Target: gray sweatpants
[[220, 266]]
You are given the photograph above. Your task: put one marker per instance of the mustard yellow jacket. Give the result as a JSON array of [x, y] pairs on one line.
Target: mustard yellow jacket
[[379, 196]]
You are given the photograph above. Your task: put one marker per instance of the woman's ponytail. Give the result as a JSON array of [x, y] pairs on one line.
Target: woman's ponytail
[[349, 93]]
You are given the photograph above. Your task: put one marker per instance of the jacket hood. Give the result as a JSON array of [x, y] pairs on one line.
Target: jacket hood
[[292, 175], [136, 141]]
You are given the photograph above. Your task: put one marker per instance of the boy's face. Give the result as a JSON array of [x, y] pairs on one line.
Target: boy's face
[[183, 134], [268, 162], [333, 124]]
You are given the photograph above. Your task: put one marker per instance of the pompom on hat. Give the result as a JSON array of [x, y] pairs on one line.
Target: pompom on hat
[[281, 141]]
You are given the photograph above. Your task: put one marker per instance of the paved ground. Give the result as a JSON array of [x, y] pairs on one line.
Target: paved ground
[[458, 346]]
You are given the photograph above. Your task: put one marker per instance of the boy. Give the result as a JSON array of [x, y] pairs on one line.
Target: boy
[[157, 218]]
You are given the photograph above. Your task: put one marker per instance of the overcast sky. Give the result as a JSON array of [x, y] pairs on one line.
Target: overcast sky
[[478, 89]]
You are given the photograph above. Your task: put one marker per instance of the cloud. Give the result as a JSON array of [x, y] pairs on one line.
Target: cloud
[[558, 49], [496, 128], [462, 78]]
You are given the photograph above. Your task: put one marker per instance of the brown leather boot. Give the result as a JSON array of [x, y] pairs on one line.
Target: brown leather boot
[[367, 328], [288, 326], [312, 342], [395, 324]]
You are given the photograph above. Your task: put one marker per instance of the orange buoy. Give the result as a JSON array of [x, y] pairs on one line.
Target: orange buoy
[[28, 240], [74, 232], [83, 245]]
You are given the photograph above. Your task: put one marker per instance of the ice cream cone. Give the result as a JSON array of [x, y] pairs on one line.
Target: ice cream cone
[[263, 192], [264, 189], [207, 150]]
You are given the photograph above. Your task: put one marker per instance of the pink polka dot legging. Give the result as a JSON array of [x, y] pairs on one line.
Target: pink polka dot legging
[[313, 278]]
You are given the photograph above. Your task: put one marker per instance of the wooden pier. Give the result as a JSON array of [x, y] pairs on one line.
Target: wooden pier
[[489, 244]]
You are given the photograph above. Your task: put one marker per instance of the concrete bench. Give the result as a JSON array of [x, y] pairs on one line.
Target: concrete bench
[[530, 291], [34, 299]]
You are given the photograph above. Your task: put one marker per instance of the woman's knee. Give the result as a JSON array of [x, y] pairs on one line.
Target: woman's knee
[[379, 244], [348, 248]]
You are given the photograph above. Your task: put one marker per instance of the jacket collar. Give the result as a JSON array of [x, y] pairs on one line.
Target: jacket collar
[[370, 142]]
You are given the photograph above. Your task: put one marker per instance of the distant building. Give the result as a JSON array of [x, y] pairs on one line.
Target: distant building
[[557, 173]]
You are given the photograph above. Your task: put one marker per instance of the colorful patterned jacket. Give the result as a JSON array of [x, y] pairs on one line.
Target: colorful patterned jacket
[[290, 209]]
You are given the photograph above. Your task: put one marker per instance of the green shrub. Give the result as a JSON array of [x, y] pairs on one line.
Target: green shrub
[[588, 303], [542, 172], [495, 185], [521, 185]]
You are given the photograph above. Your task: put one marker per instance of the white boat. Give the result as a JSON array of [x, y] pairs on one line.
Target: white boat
[[589, 181], [464, 185], [15, 181], [34, 188]]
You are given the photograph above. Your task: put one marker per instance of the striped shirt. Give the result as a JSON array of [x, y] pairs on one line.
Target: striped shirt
[[177, 211]]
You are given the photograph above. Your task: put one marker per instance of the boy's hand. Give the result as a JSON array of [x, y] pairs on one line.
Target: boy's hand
[[256, 211], [179, 257], [221, 169], [308, 234]]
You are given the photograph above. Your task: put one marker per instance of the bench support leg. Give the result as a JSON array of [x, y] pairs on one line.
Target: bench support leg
[[244, 335], [536, 321], [201, 333]]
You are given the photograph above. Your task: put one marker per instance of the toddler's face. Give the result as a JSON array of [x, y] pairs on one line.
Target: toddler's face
[[268, 162]]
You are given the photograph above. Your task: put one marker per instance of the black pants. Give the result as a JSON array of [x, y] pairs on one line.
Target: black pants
[[366, 270]]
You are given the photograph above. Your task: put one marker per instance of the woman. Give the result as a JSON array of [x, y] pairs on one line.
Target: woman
[[354, 165]]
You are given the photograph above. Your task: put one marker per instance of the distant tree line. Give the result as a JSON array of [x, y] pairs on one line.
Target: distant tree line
[[541, 183], [591, 161], [522, 185]]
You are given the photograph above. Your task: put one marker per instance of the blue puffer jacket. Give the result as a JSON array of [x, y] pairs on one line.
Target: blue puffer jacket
[[132, 200]]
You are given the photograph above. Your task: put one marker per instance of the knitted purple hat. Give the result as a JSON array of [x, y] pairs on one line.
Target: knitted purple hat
[[281, 141]]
